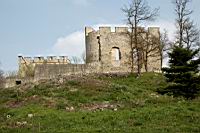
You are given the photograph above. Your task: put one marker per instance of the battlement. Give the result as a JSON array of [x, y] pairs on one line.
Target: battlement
[[41, 59], [88, 30], [121, 29], [105, 30], [38, 59], [107, 51]]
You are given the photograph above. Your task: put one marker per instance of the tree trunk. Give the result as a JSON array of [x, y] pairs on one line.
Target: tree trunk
[[137, 48], [146, 63], [132, 50]]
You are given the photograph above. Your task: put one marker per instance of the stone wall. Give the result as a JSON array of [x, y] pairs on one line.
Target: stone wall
[[100, 45], [48, 71], [27, 64], [106, 52], [12, 82]]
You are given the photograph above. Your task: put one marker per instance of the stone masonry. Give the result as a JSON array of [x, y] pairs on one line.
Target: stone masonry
[[27, 64], [112, 50], [106, 52]]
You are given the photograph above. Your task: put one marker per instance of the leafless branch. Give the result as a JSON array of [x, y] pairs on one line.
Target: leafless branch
[[182, 12], [137, 12]]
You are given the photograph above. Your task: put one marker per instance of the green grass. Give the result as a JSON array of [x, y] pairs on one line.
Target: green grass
[[88, 104]]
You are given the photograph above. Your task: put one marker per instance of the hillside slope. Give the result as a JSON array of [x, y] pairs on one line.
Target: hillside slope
[[97, 104]]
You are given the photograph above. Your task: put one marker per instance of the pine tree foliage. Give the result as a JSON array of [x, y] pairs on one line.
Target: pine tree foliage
[[182, 73]]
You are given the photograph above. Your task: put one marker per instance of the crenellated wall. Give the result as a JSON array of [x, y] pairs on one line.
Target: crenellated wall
[[41, 59], [100, 45], [27, 64], [107, 51]]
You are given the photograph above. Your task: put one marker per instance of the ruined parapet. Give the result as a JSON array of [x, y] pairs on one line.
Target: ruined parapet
[[88, 30], [104, 30], [27, 64], [28, 59], [121, 29], [39, 59], [63, 60], [24, 60], [52, 60]]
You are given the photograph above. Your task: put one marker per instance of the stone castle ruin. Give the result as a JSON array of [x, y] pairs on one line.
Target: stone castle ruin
[[27, 64], [106, 52]]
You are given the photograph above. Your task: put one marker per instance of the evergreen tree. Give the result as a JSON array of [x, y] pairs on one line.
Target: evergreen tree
[[182, 74]]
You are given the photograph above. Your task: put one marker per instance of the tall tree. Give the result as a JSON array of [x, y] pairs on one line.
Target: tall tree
[[182, 12], [76, 60], [83, 57], [150, 48], [137, 12], [191, 35], [182, 74], [165, 46]]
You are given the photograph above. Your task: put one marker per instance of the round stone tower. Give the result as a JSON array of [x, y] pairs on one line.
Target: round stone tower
[[92, 45]]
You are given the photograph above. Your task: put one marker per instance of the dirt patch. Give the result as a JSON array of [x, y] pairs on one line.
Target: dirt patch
[[14, 104], [22, 102]]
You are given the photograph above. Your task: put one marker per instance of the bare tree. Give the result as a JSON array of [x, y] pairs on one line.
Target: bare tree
[[75, 60], [30, 71], [151, 45], [11, 74], [25, 71], [154, 46], [191, 35], [182, 12], [187, 32], [136, 13], [165, 46], [83, 57]]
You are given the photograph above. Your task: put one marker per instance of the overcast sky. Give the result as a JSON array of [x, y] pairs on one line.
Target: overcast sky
[[56, 27]]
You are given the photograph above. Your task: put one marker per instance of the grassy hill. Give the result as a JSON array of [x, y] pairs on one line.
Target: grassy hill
[[97, 104]]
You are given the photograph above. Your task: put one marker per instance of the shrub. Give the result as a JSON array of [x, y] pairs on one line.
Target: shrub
[[182, 75]]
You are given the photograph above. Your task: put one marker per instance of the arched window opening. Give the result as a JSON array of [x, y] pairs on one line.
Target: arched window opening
[[115, 56]]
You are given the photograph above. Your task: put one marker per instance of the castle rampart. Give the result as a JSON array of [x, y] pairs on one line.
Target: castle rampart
[[27, 64], [112, 48], [41, 59], [106, 52]]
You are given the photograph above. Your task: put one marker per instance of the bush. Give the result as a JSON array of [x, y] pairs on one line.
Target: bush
[[182, 75]]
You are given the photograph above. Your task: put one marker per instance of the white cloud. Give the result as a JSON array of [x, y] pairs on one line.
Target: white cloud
[[74, 43], [70, 45]]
